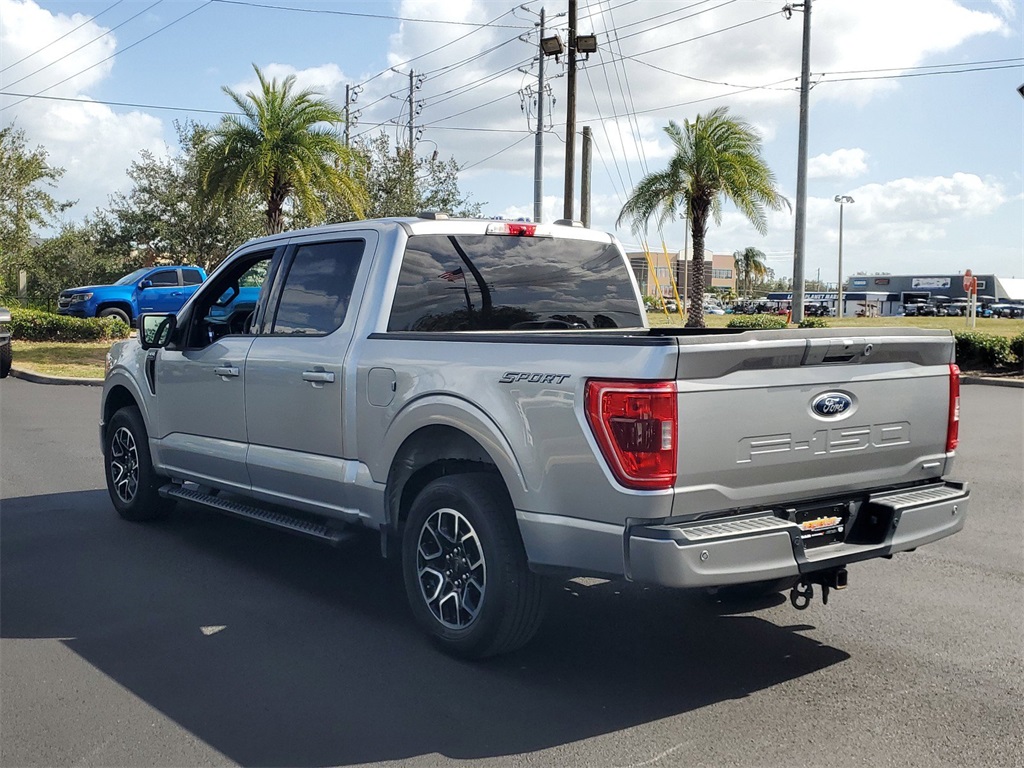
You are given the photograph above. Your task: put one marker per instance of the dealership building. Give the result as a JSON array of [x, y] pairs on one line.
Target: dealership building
[[885, 295]]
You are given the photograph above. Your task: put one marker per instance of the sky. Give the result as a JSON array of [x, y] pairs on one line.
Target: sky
[[914, 111]]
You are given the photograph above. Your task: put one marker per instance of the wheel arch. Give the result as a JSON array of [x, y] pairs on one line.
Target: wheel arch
[[124, 306], [117, 397], [430, 452]]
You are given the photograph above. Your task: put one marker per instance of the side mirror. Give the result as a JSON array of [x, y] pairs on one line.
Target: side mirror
[[144, 284], [5, 315], [155, 331]]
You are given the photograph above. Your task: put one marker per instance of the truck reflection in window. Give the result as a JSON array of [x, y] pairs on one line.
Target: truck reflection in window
[[482, 282]]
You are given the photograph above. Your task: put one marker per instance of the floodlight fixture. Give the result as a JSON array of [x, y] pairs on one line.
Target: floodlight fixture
[[552, 46], [586, 44]]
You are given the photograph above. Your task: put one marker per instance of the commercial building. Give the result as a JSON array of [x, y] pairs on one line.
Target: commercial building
[[885, 295], [719, 272]]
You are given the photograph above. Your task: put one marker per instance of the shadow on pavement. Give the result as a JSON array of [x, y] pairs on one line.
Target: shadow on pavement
[[278, 651]]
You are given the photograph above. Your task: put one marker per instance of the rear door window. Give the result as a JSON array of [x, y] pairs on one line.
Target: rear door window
[[488, 282], [191, 277], [318, 288]]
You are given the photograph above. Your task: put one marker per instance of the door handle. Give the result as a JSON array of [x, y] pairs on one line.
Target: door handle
[[226, 370], [319, 376]]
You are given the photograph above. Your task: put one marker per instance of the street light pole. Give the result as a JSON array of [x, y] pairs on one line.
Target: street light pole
[[842, 200]]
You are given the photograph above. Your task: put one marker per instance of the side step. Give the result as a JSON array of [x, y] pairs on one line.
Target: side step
[[275, 518]]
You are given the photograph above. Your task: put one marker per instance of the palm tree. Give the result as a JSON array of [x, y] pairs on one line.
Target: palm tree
[[750, 266], [716, 158], [281, 147]]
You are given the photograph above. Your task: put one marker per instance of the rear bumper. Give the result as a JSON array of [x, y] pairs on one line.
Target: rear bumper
[[762, 546]]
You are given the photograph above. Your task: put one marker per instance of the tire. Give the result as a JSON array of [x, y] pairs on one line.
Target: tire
[[465, 571], [131, 481], [5, 359], [118, 313]]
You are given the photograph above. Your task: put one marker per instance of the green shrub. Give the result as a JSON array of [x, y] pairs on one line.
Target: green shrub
[[33, 325], [1017, 347], [758, 322], [814, 322], [982, 350]]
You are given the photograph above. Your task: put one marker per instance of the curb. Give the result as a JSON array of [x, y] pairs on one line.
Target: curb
[[1018, 383], [42, 378]]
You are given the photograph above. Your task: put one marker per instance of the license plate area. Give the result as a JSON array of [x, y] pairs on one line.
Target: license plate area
[[822, 525]]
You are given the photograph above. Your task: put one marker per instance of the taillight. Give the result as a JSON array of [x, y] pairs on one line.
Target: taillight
[[953, 425], [635, 425]]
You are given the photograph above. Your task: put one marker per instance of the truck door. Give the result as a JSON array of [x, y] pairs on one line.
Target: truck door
[[199, 382], [162, 292], [295, 372]]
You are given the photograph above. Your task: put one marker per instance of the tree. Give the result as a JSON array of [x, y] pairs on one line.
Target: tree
[[279, 150], [750, 265], [716, 158], [24, 200], [400, 184], [167, 215], [75, 256]]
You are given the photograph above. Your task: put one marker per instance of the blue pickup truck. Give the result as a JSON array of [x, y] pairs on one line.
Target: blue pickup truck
[[150, 289]]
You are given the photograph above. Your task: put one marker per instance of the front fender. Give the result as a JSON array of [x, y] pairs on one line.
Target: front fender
[[125, 373]]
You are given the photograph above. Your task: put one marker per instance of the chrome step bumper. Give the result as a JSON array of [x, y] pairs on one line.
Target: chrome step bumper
[[762, 546]]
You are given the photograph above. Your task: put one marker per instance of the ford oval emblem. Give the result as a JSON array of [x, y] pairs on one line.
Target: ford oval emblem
[[832, 405]]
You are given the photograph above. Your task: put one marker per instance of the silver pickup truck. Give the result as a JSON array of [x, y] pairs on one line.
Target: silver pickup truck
[[488, 397]]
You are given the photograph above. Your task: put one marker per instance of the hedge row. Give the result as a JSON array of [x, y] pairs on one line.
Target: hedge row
[[814, 322], [33, 325], [758, 322], [982, 350]]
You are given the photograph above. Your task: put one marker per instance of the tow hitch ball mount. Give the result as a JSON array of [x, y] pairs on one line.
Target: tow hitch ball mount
[[802, 594]]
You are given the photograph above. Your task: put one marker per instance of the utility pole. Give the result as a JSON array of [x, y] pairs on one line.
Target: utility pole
[[801, 167], [412, 112], [570, 118], [351, 97], [538, 140], [585, 177]]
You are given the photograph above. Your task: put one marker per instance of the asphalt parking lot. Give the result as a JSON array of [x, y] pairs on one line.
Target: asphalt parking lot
[[206, 641]]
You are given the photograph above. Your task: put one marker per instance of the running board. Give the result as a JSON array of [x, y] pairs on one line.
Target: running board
[[273, 518]]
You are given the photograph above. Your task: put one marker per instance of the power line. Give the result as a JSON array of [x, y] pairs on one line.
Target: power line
[[915, 74], [439, 48], [499, 152], [926, 66], [129, 104], [327, 11], [57, 40], [116, 53], [83, 45]]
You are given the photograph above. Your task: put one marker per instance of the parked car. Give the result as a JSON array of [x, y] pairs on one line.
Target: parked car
[[150, 289], [711, 309], [1012, 311], [6, 355]]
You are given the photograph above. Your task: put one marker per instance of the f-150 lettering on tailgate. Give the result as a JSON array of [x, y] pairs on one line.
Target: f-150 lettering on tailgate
[[777, 449]]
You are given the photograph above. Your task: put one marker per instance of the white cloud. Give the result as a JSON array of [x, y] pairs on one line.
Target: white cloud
[[94, 144], [841, 164]]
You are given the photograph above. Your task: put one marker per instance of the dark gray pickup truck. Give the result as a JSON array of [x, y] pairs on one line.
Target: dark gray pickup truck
[[487, 396]]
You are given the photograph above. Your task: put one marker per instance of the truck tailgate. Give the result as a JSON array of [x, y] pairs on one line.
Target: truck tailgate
[[775, 418]]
